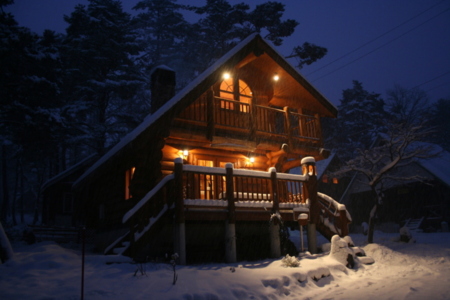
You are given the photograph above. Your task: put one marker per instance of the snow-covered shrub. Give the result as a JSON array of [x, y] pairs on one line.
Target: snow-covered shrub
[[290, 261], [405, 235], [341, 252]]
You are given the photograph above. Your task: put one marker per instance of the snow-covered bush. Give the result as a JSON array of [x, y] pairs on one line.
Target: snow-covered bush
[[341, 252], [290, 261]]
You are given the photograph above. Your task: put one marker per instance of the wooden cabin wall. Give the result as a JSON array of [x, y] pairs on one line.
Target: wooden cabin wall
[[240, 160]]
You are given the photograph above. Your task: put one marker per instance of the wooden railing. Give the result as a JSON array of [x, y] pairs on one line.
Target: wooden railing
[[206, 183], [233, 187], [252, 119]]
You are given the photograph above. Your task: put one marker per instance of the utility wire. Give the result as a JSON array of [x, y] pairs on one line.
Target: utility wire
[[385, 44], [437, 77], [438, 86], [373, 40]]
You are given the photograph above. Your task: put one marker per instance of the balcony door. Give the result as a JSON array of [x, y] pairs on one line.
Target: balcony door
[[212, 186]]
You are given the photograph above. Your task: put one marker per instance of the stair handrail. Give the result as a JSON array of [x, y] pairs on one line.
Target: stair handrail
[[147, 198], [341, 215]]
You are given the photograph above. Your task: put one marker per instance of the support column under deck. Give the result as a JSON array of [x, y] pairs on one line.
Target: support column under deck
[[230, 242], [312, 238], [275, 248]]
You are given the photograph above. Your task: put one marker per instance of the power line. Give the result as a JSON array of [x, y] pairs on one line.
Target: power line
[[438, 86], [437, 77], [376, 38], [385, 44]]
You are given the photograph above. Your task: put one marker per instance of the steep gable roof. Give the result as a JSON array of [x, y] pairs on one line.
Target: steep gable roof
[[244, 53]]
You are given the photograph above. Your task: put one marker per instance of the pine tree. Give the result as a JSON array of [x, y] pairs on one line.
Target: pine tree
[[29, 89], [159, 29], [361, 117], [101, 78]]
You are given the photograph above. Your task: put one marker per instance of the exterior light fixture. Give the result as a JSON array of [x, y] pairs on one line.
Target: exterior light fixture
[[252, 159], [276, 77], [226, 75], [183, 154]]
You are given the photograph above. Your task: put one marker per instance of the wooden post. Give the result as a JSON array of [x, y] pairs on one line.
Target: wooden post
[[288, 127], [318, 128], [274, 190], [230, 230], [210, 115], [180, 229], [302, 124], [274, 226], [253, 117], [309, 169]]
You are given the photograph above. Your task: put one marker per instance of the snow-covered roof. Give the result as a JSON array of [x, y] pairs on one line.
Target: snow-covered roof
[[439, 166], [166, 108], [322, 165]]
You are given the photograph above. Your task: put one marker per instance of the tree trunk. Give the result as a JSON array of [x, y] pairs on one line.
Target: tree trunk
[[6, 251], [370, 231], [4, 185], [372, 216]]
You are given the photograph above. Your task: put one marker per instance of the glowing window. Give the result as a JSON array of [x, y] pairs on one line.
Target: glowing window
[[242, 94], [128, 177]]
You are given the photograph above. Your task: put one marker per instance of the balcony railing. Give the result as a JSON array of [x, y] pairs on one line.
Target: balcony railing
[[254, 120]]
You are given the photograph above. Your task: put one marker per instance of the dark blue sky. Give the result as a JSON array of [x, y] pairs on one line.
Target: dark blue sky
[[380, 43]]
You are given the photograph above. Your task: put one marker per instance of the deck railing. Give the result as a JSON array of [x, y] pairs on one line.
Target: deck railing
[[231, 189], [206, 183], [221, 113]]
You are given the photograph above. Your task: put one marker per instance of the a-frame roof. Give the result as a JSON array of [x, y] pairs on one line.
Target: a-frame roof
[[243, 55]]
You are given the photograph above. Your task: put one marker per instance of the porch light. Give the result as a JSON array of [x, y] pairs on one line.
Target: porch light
[[183, 154], [276, 77], [252, 159], [226, 75]]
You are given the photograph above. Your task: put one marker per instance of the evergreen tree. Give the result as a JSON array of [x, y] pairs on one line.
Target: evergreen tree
[[30, 115], [221, 26], [101, 79], [160, 28], [361, 117]]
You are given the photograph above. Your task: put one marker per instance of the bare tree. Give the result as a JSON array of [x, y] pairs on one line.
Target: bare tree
[[401, 144]]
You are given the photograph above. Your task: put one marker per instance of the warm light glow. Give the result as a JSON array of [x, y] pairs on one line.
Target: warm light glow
[[276, 77], [335, 181], [226, 76], [185, 152], [252, 159]]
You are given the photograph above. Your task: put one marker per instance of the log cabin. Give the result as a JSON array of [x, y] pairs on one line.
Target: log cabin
[[206, 174]]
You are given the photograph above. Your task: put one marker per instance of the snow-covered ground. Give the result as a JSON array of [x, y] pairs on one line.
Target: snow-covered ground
[[418, 270]]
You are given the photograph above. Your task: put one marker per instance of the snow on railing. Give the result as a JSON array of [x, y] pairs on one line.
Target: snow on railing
[[337, 206]]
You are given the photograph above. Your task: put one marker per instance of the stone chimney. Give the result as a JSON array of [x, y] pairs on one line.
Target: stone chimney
[[162, 86]]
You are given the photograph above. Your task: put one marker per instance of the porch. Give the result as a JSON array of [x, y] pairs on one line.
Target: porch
[[210, 194]]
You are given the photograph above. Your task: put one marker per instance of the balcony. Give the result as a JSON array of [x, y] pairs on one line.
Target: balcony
[[223, 117]]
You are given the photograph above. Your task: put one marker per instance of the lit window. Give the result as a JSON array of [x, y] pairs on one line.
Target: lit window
[[228, 91], [128, 177]]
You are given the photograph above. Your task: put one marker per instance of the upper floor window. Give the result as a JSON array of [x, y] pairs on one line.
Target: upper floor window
[[236, 90]]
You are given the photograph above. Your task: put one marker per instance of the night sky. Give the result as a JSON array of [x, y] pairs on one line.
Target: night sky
[[380, 43]]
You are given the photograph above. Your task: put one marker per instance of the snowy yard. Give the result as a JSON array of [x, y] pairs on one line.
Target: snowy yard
[[418, 270]]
